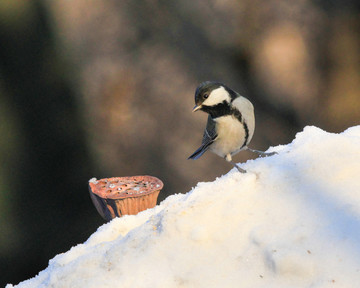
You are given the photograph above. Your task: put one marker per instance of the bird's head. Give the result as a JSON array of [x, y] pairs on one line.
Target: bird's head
[[210, 94]]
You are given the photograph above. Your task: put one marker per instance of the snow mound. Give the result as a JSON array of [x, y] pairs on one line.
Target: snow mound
[[292, 221]]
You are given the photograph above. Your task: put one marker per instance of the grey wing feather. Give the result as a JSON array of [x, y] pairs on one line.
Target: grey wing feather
[[208, 138], [210, 132]]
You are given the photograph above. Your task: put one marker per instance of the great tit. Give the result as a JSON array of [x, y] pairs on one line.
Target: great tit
[[231, 121]]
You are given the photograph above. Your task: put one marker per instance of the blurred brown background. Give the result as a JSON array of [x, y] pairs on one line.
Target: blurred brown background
[[105, 88]]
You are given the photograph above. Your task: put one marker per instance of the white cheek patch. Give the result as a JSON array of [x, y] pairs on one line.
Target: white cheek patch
[[217, 96]]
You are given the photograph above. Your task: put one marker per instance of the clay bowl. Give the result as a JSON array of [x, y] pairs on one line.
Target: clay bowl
[[118, 196]]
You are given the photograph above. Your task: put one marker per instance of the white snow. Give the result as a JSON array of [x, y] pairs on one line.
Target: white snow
[[292, 221]]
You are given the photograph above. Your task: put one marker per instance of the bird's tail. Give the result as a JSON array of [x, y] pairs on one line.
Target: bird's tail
[[198, 153]]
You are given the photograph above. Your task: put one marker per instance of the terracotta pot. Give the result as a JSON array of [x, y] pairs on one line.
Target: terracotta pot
[[118, 196]]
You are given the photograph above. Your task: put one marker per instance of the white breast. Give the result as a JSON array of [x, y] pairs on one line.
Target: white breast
[[231, 136]]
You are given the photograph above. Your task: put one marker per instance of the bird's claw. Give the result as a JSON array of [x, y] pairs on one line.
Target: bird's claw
[[263, 154], [240, 169], [237, 167]]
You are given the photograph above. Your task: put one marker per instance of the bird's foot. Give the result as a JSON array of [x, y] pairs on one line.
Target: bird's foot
[[261, 153], [238, 168]]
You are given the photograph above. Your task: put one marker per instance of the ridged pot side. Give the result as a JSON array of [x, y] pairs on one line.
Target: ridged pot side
[[118, 196]]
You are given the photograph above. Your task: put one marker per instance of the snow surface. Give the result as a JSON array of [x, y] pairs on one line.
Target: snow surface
[[292, 221]]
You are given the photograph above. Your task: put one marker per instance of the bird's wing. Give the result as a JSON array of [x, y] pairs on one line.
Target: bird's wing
[[208, 138], [210, 132]]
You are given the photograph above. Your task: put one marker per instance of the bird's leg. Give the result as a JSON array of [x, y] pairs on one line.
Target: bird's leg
[[261, 153], [238, 168], [229, 159]]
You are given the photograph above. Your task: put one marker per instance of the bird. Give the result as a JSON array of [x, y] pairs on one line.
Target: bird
[[230, 124]]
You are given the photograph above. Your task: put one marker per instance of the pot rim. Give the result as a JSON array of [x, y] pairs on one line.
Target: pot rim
[[125, 187]]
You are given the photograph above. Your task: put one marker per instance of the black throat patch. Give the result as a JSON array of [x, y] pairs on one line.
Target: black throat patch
[[221, 109]]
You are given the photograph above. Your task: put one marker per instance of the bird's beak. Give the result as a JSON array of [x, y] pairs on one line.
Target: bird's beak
[[196, 107]]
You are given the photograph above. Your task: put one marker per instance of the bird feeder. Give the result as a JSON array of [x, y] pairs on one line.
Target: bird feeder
[[118, 196]]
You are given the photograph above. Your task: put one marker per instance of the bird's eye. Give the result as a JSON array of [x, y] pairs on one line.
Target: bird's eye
[[206, 96]]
